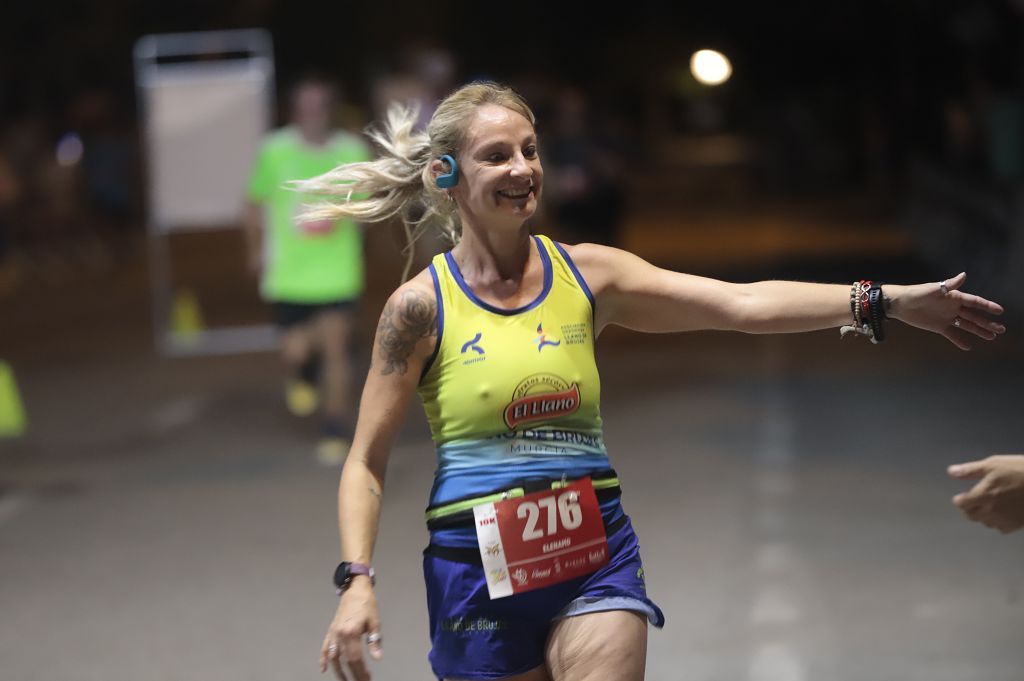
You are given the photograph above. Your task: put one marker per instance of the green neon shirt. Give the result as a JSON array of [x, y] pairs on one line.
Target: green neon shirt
[[309, 263]]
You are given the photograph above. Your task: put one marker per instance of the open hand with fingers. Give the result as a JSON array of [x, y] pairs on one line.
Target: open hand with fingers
[[997, 500], [946, 310], [357, 617]]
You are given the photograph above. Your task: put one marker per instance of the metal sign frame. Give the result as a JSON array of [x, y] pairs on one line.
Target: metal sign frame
[[183, 58]]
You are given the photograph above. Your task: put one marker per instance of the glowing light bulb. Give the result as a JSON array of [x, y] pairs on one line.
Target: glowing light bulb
[[710, 67]]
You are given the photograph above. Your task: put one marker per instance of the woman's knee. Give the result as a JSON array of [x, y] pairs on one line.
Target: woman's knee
[[296, 346], [334, 332]]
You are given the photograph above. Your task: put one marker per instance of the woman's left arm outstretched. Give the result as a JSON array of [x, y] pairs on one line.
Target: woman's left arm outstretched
[[633, 293]]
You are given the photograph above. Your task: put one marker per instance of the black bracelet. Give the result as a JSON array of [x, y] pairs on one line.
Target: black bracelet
[[876, 312], [879, 301]]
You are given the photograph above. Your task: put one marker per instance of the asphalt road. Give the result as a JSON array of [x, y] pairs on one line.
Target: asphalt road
[[166, 519]]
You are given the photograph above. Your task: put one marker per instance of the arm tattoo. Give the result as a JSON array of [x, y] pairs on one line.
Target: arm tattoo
[[401, 328], [374, 492]]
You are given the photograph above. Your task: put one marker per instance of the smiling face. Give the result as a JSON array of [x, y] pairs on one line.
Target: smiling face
[[501, 175]]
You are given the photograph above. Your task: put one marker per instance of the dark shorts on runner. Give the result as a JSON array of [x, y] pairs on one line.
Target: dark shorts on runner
[[288, 315], [474, 637]]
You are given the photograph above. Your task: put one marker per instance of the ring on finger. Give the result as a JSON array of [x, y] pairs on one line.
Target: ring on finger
[[944, 288], [956, 322], [372, 638], [333, 648]]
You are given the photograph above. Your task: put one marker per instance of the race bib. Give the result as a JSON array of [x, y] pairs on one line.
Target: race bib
[[316, 227], [310, 228], [540, 539]]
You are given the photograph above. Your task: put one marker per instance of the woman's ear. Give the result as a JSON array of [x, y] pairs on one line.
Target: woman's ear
[[449, 176], [437, 168]]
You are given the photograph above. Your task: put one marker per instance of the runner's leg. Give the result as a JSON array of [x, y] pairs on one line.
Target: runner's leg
[[334, 334], [598, 646]]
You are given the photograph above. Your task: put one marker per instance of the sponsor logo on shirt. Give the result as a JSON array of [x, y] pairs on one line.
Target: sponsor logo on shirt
[[474, 349], [471, 626], [541, 397], [575, 334], [542, 341]]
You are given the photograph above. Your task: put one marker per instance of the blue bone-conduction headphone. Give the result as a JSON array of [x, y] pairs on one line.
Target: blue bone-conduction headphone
[[451, 178]]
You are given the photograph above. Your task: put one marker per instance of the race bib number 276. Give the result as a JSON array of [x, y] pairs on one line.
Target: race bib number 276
[[540, 539]]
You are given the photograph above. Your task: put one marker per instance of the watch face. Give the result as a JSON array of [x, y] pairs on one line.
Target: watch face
[[342, 576]]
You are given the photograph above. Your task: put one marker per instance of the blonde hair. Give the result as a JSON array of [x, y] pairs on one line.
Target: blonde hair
[[400, 181]]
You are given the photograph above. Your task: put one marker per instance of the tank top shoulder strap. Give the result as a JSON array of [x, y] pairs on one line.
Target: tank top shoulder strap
[[442, 280], [566, 270]]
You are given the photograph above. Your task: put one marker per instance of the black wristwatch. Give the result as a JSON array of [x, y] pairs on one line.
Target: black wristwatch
[[345, 571]]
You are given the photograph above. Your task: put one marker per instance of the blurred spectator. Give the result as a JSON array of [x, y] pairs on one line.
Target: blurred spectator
[[425, 76], [109, 160], [23, 145], [311, 272], [54, 211], [1004, 121], [963, 150], [10, 190], [583, 176]]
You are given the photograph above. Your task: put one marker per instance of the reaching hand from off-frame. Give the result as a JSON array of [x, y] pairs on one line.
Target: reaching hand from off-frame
[[997, 500]]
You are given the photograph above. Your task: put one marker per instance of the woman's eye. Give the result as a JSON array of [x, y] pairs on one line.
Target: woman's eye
[[500, 156]]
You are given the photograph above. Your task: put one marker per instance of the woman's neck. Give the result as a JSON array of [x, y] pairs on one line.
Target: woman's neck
[[493, 256]]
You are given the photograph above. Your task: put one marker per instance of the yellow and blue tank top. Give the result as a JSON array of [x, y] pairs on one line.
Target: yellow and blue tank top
[[513, 394]]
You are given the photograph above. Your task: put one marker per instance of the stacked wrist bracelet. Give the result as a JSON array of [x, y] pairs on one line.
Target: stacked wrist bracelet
[[868, 306]]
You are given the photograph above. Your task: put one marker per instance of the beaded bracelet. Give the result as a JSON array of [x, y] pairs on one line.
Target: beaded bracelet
[[867, 306], [853, 302]]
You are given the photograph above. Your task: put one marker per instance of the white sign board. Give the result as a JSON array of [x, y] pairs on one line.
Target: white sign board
[[205, 100], [202, 133]]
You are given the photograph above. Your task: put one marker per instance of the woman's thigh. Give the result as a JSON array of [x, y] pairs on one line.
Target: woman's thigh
[[597, 646]]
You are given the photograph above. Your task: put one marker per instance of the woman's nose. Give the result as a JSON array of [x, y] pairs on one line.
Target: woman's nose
[[520, 166]]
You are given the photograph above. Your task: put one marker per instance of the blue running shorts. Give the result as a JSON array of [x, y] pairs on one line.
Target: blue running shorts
[[474, 637]]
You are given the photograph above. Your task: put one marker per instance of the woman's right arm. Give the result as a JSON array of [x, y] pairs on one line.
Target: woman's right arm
[[406, 336]]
